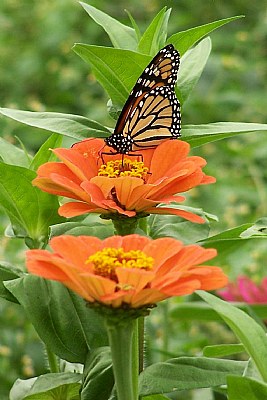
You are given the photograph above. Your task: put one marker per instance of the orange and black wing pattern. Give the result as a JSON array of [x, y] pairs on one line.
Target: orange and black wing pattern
[[152, 112]]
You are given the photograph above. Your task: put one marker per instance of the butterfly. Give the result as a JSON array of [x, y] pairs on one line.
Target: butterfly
[[151, 113]]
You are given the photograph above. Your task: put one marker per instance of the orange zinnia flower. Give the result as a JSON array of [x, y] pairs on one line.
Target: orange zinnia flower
[[132, 271], [129, 189]]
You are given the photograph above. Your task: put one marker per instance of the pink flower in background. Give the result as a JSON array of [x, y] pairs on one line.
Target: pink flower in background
[[245, 290]]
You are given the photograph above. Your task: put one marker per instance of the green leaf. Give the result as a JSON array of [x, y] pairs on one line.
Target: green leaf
[[178, 228], [185, 373], [74, 126], [49, 386], [7, 273], [185, 39], [134, 25], [11, 154], [257, 230], [154, 36], [199, 311], [223, 350], [30, 210], [44, 154], [233, 239], [98, 379], [61, 318], [156, 397], [243, 388], [197, 135], [192, 65], [121, 36], [116, 70], [100, 230], [245, 328]]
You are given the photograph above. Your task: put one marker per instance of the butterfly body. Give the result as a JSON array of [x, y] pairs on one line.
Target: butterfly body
[[152, 112]]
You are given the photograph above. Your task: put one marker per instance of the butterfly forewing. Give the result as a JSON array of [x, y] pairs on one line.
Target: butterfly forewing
[[152, 112]]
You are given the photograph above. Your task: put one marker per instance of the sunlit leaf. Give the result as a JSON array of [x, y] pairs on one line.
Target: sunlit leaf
[[197, 135], [251, 334], [74, 126], [45, 154], [47, 387], [223, 350], [154, 36], [199, 311], [185, 39], [192, 65], [117, 70], [13, 155], [243, 388], [30, 210], [121, 36]]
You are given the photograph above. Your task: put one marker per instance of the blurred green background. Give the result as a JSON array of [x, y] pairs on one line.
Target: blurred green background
[[40, 72]]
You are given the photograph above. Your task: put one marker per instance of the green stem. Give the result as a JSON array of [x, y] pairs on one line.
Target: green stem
[[141, 341], [52, 360], [125, 226], [123, 351], [165, 324]]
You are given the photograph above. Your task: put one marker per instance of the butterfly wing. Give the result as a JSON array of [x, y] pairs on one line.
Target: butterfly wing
[[152, 112]]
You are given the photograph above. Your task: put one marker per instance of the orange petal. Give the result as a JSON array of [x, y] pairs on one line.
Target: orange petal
[[75, 208], [66, 246], [180, 213], [166, 155]]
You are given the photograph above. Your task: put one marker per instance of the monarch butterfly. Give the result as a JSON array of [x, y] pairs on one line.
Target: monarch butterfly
[[152, 112]]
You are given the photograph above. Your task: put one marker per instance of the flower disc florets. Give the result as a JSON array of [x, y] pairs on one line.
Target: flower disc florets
[[124, 167]]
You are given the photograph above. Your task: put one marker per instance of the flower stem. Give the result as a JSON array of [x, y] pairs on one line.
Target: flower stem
[[124, 351], [125, 226], [165, 324]]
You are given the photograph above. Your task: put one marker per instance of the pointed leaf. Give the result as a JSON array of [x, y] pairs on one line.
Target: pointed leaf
[[61, 318], [117, 70], [178, 228], [199, 311], [151, 41], [185, 39], [102, 231], [70, 125], [134, 25], [121, 36], [223, 350], [192, 65], [98, 379], [245, 328], [257, 230], [45, 154], [243, 388], [30, 210], [185, 373], [7, 273], [197, 135], [11, 154], [46, 387]]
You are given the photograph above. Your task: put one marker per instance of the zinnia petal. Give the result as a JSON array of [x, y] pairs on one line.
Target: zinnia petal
[[167, 172], [128, 270]]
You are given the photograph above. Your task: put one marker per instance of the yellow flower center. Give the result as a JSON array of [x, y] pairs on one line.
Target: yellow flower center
[[125, 167], [107, 260]]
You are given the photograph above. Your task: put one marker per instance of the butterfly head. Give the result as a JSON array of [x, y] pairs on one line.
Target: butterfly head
[[120, 143]]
